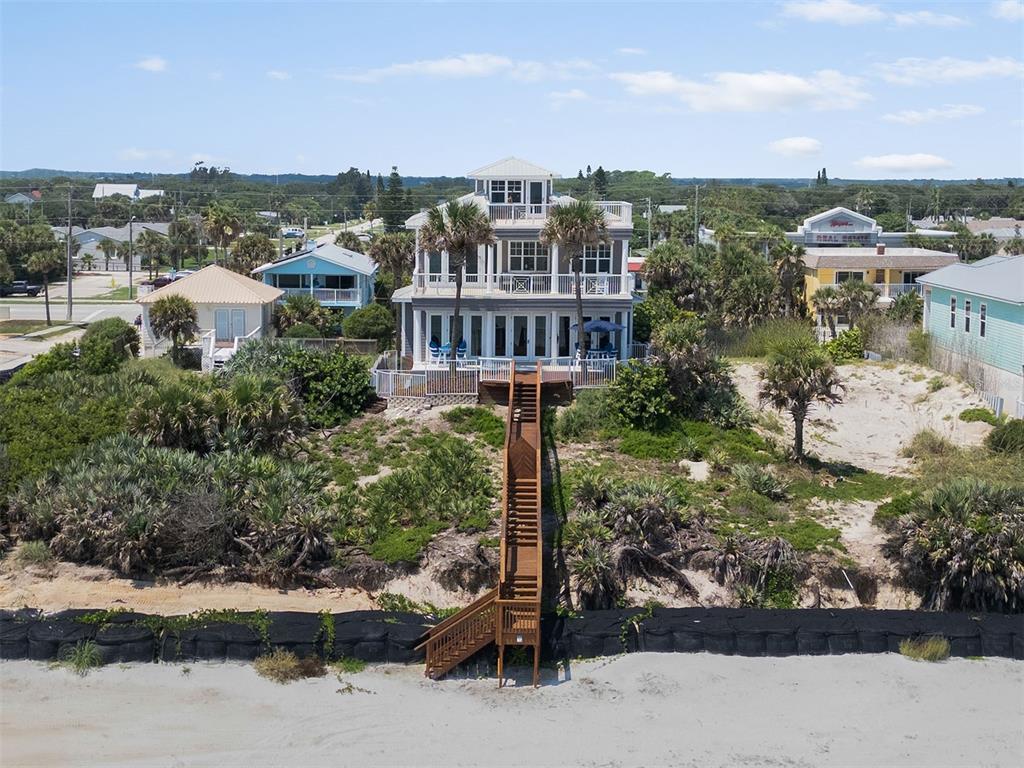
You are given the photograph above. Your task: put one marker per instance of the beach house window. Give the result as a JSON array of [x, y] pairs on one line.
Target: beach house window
[[845, 277], [967, 316], [514, 192], [597, 259], [982, 317], [952, 311], [497, 191], [527, 256]]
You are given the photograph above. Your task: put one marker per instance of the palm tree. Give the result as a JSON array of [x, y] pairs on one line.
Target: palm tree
[[109, 248], [153, 246], [174, 318], [459, 229], [393, 251], [797, 374], [826, 300], [576, 226], [223, 226], [300, 308], [789, 271], [857, 298], [351, 241], [43, 263], [87, 262]]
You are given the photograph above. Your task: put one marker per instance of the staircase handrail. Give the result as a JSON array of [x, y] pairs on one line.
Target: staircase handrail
[[539, 472], [502, 562], [463, 614]]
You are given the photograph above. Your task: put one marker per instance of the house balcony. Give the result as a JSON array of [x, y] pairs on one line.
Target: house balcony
[[895, 290], [533, 214], [509, 284], [329, 297]]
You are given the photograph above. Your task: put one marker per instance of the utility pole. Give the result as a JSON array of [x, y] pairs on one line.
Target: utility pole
[[650, 224], [71, 266], [696, 215], [131, 254]]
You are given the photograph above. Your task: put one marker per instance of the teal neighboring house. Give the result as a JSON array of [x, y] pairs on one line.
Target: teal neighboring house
[[336, 277], [974, 314]]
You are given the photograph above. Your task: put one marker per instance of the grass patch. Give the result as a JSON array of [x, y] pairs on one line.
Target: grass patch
[[686, 439], [935, 383], [807, 535], [481, 422], [979, 414], [844, 482], [117, 294], [925, 648], [33, 553], [18, 327], [283, 666], [404, 545], [887, 514], [83, 657], [974, 463], [757, 341], [928, 442], [347, 665]]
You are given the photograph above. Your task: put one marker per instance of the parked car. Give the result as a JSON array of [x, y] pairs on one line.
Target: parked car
[[293, 232], [20, 286], [182, 273]]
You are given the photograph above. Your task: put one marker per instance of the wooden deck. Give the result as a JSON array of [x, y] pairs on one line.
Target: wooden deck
[[510, 613]]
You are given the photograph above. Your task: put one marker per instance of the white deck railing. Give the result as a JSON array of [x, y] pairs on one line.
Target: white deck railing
[[331, 295], [591, 285], [515, 284], [892, 290]]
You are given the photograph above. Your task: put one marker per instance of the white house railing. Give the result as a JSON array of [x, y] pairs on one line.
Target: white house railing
[[892, 290], [336, 295], [515, 284], [529, 212], [591, 285]]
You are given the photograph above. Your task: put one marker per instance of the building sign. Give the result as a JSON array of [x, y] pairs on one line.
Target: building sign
[[837, 238], [840, 223]]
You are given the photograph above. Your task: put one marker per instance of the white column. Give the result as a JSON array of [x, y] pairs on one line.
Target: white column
[[624, 288], [417, 336], [554, 268], [552, 334], [488, 342], [489, 266], [627, 337]]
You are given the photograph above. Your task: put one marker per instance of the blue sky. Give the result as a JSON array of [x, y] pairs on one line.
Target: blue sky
[[870, 90]]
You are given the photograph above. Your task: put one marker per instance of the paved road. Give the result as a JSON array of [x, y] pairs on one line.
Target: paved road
[[16, 350]]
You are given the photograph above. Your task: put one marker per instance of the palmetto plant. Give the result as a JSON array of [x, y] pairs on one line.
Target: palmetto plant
[[574, 227], [175, 318], [460, 229], [393, 252], [300, 308], [797, 374], [789, 272], [351, 241], [827, 301], [44, 264], [963, 547]]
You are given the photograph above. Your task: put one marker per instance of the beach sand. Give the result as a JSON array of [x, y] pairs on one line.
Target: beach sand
[[641, 709]]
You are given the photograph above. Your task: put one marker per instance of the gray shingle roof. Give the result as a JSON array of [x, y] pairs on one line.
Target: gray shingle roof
[[997, 277], [343, 257], [868, 258]]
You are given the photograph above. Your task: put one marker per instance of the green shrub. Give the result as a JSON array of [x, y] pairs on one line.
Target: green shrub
[[404, 545], [960, 547], [807, 535], [33, 553], [481, 422], [890, 512], [692, 440], [925, 648], [758, 340], [302, 331], [106, 344], [1007, 437], [589, 415], [373, 321], [920, 347], [847, 346], [348, 665], [979, 414], [935, 383], [61, 357], [639, 395]]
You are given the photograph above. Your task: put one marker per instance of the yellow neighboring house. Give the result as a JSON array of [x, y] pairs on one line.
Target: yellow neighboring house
[[892, 271]]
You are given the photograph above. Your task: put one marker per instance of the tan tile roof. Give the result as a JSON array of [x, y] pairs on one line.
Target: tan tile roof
[[216, 285], [867, 258]]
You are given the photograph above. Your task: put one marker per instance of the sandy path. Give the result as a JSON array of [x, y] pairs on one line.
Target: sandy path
[[884, 407], [643, 709]]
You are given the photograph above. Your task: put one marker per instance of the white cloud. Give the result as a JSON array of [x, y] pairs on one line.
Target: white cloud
[[152, 64], [915, 71], [751, 91], [841, 12], [927, 19], [918, 161], [134, 153], [795, 146], [277, 74], [933, 114], [472, 65], [631, 51], [1012, 10]]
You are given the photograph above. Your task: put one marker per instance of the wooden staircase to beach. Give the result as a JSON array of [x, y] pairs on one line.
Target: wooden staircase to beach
[[510, 613]]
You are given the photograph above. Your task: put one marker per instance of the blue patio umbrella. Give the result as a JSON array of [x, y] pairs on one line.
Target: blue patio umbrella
[[600, 326]]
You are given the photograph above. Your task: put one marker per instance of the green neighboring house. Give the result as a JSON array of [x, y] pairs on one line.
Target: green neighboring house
[[974, 314]]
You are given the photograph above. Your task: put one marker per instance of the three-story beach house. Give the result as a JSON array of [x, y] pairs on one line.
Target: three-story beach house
[[518, 296]]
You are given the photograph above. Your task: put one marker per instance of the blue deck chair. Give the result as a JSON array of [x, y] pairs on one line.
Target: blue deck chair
[[460, 351], [435, 351]]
